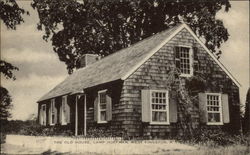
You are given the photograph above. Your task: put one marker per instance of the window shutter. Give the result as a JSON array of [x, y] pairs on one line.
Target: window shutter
[[195, 50], [145, 98], [225, 108], [45, 115], [60, 114], [96, 108], [203, 107], [195, 57], [67, 111], [109, 107], [55, 113], [41, 115], [177, 56], [49, 114], [172, 107]]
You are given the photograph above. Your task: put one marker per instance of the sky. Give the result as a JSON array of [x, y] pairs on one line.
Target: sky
[[40, 69]]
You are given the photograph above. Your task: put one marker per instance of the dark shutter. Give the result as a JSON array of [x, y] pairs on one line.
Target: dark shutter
[[55, 112], [172, 107], [225, 108], [45, 115], [195, 58], [96, 108], [49, 113], [203, 107], [195, 51], [109, 107], [60, 113], [177, 56], [40, 114], [145, 104]]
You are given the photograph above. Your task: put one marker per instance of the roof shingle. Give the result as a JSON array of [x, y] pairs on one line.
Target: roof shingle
[[110, 68]]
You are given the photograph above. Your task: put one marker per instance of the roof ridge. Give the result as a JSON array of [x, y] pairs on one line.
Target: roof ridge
[[94, 74], [119, 51]]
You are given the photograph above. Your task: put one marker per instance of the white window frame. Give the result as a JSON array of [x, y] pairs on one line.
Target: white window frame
[[191, 60], [52, 105], [220, 109], [167, 108], [43, 115], [63, 114], [99, 107]]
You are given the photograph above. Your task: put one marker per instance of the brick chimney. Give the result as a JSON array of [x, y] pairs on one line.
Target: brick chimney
[[87, 59]]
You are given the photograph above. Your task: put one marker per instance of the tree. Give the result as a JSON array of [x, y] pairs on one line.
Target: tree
[[246, 120], [5, 99], [103, 27], [5, 105], [11, 13], [11, 16]]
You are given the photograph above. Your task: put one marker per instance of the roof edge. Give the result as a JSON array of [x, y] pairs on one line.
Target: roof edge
[[154, 50], [213, 56]]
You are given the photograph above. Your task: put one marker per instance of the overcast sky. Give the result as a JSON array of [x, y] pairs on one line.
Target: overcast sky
[[40, 68]]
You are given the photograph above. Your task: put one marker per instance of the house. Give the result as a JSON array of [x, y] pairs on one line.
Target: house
[[129, 90]]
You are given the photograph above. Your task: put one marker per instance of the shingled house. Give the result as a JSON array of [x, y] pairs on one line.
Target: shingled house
[[129, 90]]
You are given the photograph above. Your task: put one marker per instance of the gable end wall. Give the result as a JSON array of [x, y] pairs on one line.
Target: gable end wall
[[153, 75]]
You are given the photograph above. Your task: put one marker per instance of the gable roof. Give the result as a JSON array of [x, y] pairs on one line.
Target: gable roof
[[120, 65]]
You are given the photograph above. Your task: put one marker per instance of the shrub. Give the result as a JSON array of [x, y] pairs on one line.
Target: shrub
[[107, 132], [215, 137]]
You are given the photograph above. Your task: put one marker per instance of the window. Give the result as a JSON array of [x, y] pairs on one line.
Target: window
[[183, 60], [214, 109], [52, 110], [43, 115], [102, 106], [159, 107], [63, 111]]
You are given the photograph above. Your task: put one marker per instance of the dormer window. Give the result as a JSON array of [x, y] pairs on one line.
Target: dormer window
[[184, 60]]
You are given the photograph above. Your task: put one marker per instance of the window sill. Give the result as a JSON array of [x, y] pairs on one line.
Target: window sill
[[159, 123], [215, 123], [102, 122], [186, 75]]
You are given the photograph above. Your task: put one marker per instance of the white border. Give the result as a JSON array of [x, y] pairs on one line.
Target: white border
[[220, 109], [154, 50]]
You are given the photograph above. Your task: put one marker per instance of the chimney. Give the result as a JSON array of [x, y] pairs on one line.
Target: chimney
[[87, 59]]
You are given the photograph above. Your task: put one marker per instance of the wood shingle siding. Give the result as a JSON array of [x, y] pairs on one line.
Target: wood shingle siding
[[130, 74], [153, 74]]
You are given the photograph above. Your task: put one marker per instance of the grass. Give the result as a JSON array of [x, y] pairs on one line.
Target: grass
[[226, 150]]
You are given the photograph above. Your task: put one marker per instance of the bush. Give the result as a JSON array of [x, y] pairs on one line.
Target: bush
[[97, 133], [216, 137]]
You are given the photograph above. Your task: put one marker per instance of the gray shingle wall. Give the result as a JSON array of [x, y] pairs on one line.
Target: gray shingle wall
[[153, 75]]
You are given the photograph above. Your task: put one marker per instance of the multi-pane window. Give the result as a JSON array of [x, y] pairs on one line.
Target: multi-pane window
[[52, 110], [102, 106], [159, 107], [63, 114], [214, 109], [183, 60]]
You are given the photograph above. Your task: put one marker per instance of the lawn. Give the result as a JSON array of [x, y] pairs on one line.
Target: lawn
[[134, 147]]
